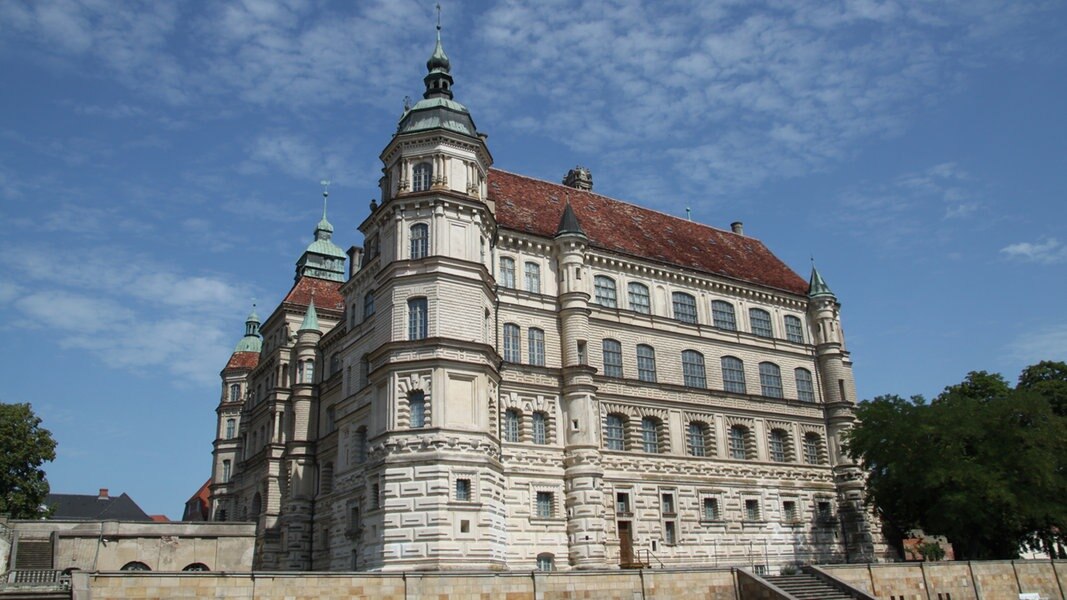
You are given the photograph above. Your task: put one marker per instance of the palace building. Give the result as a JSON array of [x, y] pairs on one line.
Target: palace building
[[518, 374]]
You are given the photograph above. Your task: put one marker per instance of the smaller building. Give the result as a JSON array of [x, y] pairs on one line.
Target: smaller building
[[100, 506]]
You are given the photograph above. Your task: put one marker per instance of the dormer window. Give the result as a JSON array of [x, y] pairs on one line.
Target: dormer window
[[421, 176]]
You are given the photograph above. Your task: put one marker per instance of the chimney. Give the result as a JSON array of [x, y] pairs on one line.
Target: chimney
[[738, 227], [103, 494], [579, 178]]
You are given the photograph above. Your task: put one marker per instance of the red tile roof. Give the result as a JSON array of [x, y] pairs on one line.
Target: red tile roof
[[535, 206], [243, 360], [327, 294]]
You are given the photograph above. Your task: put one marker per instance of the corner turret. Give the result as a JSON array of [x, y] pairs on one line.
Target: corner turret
[[322, 259]]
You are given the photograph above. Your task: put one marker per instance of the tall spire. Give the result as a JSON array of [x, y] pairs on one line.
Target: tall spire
[[324, 230], [438, 80], [311, 318], [322, 259]]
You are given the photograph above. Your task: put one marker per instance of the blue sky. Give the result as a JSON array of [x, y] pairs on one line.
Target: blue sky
[[159, 169]]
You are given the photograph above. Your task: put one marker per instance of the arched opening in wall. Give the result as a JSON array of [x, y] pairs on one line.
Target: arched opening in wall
[[257, 505], [135, 565], [546, 561], [195, 567]]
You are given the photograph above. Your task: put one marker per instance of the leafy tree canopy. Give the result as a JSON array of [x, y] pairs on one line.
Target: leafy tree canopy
[[24, 447], [984, 463]]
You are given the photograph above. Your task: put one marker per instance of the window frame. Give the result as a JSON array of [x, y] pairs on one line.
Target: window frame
[[536, 346], [507, 272], [638, 291], [612, 368], [735, 382], [539, 423], [723, 315], [777, 445], [696, 438], [421, 176], [812, 448], [368, 305], [737, 442], [770, 380], [805, 384], [646, 363], [417, 409], [794, 329], [694, 373], [760, 323], [684, 307], [513, 426], [650, 435], [418, 318], [544, 502], [419, 240], [615, 423], [532, 276], [605, 291], [512, 343]]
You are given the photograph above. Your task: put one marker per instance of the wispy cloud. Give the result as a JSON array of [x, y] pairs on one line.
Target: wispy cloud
[[131, 315], [1049, 343], [1048, 251]]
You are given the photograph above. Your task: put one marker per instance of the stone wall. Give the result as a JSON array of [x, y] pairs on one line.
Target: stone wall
[[986, 580]]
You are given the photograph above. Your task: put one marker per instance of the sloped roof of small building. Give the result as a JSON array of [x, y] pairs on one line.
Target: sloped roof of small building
[[95, 507], [534, 206], [243, 360], [327, 294]]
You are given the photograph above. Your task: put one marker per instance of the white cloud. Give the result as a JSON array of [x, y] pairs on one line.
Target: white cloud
[[1048, 251], [1047, 344]]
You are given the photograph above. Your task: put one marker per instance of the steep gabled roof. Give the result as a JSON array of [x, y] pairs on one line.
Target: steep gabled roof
[[95, 507], [534, 206], [327, 294], [243, 360]]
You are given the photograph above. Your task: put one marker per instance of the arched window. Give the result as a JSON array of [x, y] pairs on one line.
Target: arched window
[[761, 322], [326, 479], [685, 307], [512, 341], [420, 240], [231, 428], [421, 176], [512, 425], [646, 363], [733, 375], [770, 379], [805, 386], [779, 441], [195, 567], [135, 565], [722, 315], [650, 435], [533, 277], [546, 562], [536, 346], [615, 432], [794, 330], [417, 408], [604, 291], [368, 305], [693, 369], [418, 319], [698, 438], [612, 358], [540, 428], [640, 301], [507, 272], [739, 442], [257, 505], [812, 448], [235, 392]]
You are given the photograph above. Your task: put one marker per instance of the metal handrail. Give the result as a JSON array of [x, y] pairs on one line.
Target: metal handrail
[[648, 554]]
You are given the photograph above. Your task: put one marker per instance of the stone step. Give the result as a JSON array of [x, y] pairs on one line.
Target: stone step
[[807, 587]]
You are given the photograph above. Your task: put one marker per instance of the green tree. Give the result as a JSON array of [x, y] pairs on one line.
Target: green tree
[[24, 447], [983, 464], [1049, 379]]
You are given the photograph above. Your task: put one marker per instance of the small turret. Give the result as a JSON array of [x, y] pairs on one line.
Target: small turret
[[568, 223], [579, 178], [251, 342], [322, 259], [311, 319], [817, 287]]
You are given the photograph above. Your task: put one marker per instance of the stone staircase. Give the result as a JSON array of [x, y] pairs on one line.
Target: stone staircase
[[806, 587]]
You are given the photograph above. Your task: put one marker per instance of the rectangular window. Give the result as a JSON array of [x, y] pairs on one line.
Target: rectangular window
[[794, 330], [805, 386], [711, 509], [418, 319], [544, 505], [646, 363], [512, 335], [670, 537], [650, 435], [789, 511], [368, 305], [612, 358], [225, 471], [540, 428], [536, 346], [420, 234], [777, 445], [512, 425], [463, 490], [667, 503], [614, 432], [533, 277], [761, 322], [639, 298], [622, 503], [375, 496], [417, 406], [752, 510], [695, 438], [231, 427], [685, 307]]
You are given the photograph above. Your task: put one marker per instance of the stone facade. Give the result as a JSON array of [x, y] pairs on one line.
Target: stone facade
[[486, 390]]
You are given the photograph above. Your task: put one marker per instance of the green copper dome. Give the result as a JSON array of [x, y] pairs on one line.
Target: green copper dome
[[251, 342]]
